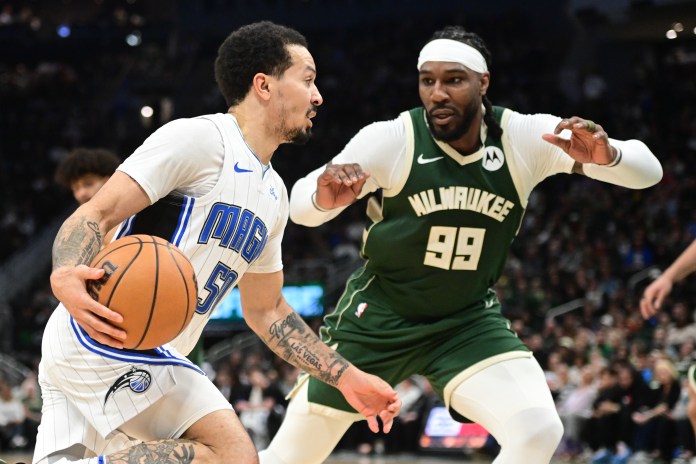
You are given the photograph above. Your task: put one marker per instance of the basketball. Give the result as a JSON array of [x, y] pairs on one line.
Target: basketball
[[151, 283]]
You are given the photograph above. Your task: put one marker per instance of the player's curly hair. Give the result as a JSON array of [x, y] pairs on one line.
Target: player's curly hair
[[82, 161], [462, 35], [259, 47]]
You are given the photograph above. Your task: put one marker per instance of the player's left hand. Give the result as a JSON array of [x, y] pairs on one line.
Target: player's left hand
[[588, 142], [371, 397], [340, 185]]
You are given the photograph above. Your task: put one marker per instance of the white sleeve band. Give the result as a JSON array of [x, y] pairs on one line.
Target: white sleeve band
[[638, 168]]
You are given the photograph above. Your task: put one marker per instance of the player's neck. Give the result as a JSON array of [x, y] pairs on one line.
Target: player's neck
[[255, 132], [471, 141]]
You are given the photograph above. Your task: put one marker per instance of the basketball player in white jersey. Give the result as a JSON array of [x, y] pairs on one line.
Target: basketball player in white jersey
[[206, 184]]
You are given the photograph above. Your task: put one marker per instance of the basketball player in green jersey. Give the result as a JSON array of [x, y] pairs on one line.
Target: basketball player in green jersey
[[455, 176], [654, 297]]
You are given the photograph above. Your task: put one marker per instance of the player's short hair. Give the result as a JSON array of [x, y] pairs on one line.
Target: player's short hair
[[259, 47], [83, 161]]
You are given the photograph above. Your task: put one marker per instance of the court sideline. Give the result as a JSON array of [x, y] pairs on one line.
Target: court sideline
[[338, 458]]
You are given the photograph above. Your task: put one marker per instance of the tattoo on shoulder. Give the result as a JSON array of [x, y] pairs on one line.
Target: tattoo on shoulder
[[295, 342], [159, 452], [78, 242]]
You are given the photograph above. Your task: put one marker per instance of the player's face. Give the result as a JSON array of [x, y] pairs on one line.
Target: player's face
[[84, 188], [299, 97], [451, 94]]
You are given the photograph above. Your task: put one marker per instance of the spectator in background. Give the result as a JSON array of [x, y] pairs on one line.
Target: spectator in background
[[601, 429], [85, 170], [639, 254], [255, 406], [681, 328], [31, 399], [407, 425], [654, 425], [574, 410], [227, 381], [635, 394], [11, 418]]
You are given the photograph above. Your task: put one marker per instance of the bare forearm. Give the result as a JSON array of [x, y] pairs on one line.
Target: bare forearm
[[684, 265], [78, 241], [294, 341]]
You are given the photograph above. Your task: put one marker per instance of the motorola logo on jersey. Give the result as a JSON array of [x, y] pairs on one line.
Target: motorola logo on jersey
[[237, 229], [493, 159], [138, 380]]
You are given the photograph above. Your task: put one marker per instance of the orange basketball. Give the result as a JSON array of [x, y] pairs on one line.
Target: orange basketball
[[151, 283]]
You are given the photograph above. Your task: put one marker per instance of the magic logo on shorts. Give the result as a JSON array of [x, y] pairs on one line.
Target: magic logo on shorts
[[138, 380]]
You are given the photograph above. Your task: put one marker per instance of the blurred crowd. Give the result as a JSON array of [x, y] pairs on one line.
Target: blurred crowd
[[575, 273]]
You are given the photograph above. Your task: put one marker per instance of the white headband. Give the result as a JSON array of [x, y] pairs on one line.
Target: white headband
[[453, 51]]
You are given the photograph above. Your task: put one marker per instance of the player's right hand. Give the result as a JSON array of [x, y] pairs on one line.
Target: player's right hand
[[69, 285], [340, 184], [370, 396], [654, 295]]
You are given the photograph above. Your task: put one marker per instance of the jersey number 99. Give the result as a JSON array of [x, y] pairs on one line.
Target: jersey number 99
[[454, 248]]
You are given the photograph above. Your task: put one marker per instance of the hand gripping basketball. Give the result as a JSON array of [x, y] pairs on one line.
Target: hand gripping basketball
[[151, 283]]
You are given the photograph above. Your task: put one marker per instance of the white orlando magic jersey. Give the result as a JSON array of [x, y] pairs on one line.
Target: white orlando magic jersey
[[225, 210]]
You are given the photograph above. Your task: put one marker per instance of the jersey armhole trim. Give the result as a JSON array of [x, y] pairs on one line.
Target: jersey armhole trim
[[408, 157], [213, 194], [512, 162]]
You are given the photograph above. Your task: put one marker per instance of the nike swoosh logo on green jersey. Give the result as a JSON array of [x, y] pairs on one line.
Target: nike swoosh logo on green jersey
[[422, 160]]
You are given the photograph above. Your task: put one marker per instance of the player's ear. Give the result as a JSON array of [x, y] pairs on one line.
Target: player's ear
[[261, 85], [485, 81]]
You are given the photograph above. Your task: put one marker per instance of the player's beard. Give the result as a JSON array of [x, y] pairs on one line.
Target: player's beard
[[458, 131], [298, 135]]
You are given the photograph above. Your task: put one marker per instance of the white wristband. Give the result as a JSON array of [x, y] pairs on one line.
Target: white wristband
[[314, 202], [617, 160]]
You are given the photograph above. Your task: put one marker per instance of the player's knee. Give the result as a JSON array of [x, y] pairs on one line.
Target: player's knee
[[241, 453], [538, 429], [247, 455], [222, 439]]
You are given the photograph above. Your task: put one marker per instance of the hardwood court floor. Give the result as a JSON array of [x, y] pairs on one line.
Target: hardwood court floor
[[338, 458]]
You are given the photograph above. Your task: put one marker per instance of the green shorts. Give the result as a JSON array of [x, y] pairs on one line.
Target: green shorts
[[379, 341]]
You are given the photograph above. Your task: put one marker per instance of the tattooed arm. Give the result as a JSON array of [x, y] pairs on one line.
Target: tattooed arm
[[79, 240], [283, 330]]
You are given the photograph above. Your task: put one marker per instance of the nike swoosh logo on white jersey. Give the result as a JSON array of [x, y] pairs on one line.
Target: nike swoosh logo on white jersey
[[422, 160], [238, 169]]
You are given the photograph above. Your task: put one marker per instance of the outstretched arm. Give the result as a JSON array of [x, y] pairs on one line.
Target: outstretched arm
[[626, 163], [655, 294], [283, 330]]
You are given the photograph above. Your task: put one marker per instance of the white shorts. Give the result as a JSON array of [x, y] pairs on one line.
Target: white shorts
[[107, 399]]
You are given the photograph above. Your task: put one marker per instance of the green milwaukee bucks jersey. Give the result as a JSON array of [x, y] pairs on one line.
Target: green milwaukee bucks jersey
[[440, 243]]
